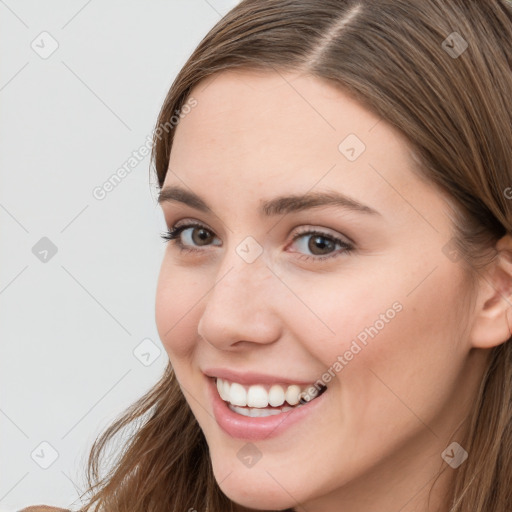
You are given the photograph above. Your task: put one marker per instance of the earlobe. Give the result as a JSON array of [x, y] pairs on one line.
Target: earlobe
[[493, 313]]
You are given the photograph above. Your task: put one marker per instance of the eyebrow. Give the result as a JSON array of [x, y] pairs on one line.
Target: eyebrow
[[275, 206]]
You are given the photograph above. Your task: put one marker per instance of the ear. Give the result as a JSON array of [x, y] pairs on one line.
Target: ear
[[493, 311]]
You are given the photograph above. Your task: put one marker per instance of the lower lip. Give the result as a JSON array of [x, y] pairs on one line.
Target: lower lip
[[256, 429]]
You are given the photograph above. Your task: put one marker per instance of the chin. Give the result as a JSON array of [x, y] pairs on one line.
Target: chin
[[253, 487], [261, 494]]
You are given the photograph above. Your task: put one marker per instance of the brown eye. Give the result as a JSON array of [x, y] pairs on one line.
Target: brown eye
[[194, 235], [200, 235], [320, 246]]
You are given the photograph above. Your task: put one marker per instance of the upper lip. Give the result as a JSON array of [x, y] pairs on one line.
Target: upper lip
[[249, 377]]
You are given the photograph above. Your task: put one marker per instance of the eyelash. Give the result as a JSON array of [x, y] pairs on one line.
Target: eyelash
[[173, 234]]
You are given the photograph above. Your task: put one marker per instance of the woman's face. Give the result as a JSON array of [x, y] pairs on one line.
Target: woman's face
[[363, 295]]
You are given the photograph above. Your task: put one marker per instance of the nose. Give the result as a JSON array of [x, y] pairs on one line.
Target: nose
[[242, 305]]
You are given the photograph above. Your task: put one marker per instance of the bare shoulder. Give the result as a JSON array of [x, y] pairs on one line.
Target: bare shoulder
[[43, 508]]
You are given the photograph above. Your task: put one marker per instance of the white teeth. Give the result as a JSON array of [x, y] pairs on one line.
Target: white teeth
[[225, 388], [257, 396], [237, 394], [220, 389], [259, 413], [292, 394], [276, 396]]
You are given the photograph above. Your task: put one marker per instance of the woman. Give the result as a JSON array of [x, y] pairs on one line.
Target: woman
[[335, 294]]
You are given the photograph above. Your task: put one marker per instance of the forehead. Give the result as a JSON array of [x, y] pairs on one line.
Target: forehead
[[275, 121], [253, 133], [282, 110]]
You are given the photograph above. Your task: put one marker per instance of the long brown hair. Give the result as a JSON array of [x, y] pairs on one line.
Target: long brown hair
[[440, 72]]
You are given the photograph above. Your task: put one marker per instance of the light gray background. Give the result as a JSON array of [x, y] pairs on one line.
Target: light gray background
[[69, 325]]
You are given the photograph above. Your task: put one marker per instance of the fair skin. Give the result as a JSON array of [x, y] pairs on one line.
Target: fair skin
[[376, 441]]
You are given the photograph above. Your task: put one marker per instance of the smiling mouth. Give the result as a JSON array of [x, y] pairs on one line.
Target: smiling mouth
[[262, 400]]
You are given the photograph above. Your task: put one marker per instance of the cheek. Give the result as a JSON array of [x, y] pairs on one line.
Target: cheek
[[384, 334], [177, 305], [337, 316]]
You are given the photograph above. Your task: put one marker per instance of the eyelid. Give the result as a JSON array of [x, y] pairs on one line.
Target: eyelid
[[173, 235], [303, 230], [326, 232]]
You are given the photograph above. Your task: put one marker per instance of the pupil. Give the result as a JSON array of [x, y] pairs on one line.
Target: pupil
[[203, 235], [320, 242]]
